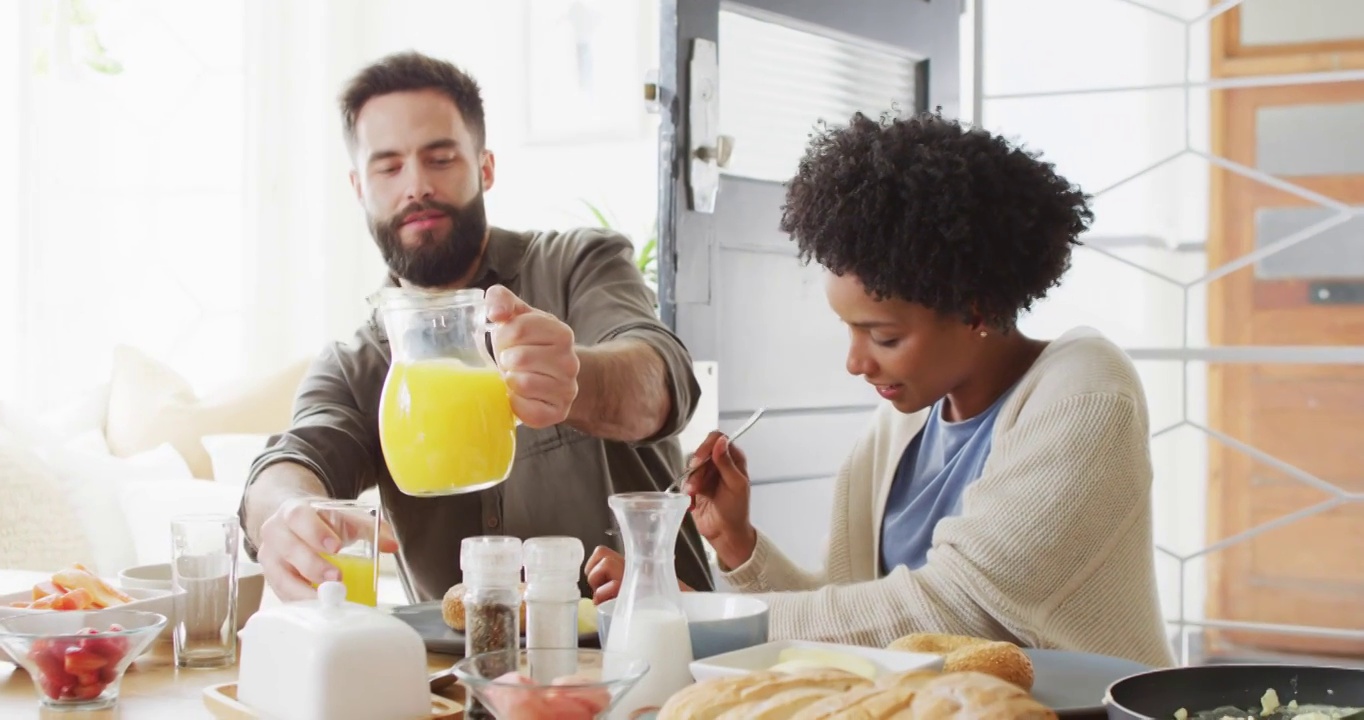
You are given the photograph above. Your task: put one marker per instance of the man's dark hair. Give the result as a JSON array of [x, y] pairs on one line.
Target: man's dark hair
[[407, 71], [934, 212]]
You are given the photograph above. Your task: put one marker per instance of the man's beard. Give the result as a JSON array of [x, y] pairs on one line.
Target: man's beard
[[436, 261]]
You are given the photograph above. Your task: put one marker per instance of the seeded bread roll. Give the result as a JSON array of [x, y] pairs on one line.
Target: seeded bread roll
[[962, 653], [452, 608], [1000, 659]]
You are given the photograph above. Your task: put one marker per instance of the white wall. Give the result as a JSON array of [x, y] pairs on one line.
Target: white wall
[[1053, 48]]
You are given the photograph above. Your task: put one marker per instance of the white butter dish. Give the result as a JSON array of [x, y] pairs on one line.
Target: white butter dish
[[328, 659]]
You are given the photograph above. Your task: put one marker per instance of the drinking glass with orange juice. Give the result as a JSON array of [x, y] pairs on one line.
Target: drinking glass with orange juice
[[445, 420], [357, 525]]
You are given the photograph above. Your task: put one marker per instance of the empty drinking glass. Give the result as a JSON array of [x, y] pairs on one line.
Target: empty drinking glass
[[204, 580]]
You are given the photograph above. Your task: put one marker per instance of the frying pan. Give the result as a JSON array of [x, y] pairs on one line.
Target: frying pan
[[1159, 693]]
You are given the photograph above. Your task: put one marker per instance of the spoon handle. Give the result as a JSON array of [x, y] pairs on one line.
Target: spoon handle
[[750, 422]]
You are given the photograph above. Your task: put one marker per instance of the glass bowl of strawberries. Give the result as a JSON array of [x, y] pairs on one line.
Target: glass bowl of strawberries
[[77, 658]]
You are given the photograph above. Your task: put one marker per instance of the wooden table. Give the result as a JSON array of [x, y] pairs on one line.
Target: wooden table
[[153, 688]]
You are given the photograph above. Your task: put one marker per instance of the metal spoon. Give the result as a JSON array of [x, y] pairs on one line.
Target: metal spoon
[[677, 482], [750, 422]]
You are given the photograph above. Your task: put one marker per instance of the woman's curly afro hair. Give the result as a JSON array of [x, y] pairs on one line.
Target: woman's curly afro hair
[[928, 210]]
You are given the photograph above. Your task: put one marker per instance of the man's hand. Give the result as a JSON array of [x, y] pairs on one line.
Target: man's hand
[[535, 352], [292, 541]]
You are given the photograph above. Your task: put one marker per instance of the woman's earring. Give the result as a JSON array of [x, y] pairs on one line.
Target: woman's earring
[[983, 333]]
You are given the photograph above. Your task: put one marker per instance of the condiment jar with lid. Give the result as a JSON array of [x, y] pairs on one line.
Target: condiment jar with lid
[[491, 565], [553, 566], [328, 659]]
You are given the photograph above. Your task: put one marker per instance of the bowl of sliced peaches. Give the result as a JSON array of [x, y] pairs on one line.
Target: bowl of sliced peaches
[[76, 589], [77, 658]]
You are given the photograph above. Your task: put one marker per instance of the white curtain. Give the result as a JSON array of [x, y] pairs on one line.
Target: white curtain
[[312, 260]]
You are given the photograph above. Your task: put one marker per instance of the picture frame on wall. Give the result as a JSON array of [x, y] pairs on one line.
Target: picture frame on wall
[[585, 61]]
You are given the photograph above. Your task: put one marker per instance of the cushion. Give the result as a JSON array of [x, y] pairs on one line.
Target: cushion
[[39, 529], [150, 505], [233, 454], [93, 481], [150, 404]]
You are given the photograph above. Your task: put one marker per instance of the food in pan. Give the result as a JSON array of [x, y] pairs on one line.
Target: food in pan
[[1271, 708]]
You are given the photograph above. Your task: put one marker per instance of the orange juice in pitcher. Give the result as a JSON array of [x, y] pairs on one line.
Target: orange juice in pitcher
[[445, 420], [444, 425]]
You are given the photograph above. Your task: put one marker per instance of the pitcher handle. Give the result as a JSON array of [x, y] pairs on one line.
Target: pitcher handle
[[486, 347]]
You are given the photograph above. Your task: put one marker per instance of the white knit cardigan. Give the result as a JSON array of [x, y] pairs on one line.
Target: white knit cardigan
[[1053, 546]]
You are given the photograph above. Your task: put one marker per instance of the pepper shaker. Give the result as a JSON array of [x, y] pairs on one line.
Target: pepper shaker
[[492, 607], [553, 566]]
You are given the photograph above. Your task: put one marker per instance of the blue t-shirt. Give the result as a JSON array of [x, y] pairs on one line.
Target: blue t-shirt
[[937, 466]]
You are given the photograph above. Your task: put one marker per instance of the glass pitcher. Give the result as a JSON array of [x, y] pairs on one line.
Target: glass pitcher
[[445, 421], [648, 621]]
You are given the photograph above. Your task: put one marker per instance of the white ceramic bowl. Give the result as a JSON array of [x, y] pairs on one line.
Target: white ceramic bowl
[[762, 657], [250, 585]]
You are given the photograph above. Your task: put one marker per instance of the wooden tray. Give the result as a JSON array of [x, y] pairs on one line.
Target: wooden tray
[[221, 700]]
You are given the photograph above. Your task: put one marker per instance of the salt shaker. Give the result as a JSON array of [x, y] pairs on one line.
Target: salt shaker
[[553, 566], [492, 607]]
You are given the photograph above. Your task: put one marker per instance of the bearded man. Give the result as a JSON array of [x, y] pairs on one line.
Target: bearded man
[[601, 386]]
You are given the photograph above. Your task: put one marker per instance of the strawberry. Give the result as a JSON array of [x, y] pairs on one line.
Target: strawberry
[[51, 687], [83, 660]]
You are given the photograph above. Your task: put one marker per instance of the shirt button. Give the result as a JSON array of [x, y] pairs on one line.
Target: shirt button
[[492, 522]]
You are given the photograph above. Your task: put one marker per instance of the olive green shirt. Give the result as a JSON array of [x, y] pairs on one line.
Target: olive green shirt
[[561, 477]]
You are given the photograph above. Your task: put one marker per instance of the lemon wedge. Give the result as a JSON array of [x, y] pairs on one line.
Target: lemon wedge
[[587, 617]]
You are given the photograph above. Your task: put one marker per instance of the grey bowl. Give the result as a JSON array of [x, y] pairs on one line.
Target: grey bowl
[[719, 622]]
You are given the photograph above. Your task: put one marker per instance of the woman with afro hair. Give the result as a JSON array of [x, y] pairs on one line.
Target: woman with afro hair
[[1003, 490]]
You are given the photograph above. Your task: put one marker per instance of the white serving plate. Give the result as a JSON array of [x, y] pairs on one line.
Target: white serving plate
[[157, 601], [762, 657]]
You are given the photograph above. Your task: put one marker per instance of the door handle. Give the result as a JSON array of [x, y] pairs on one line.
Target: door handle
[[720, 152]]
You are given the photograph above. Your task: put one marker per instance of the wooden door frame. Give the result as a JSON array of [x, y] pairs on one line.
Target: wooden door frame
[[1230, 58], [1232, 202]]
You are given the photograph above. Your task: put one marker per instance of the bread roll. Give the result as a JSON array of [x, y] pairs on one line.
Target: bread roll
[[781, 706], [1000, 659], [961, 653], [976, 696], [452, 608], [711, 699], [912, 678], [892, 703], [825, 708], [936, 643]]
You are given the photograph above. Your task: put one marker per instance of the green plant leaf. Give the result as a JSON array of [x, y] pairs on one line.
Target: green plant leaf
[[80, 13], [597, 213]]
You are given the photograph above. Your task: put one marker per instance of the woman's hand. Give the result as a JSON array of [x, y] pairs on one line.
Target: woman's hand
[[605, 570], [720, 492]]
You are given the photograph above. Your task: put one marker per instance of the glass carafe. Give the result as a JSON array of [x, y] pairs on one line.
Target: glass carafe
[[648, 622], [445, 421]]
